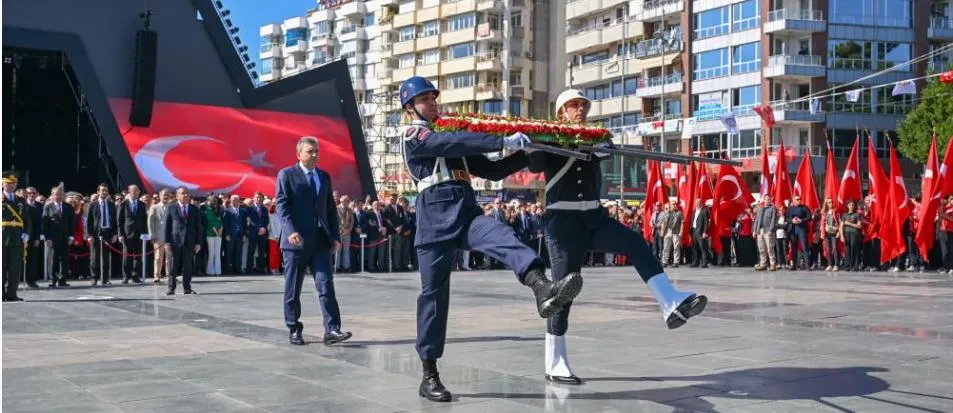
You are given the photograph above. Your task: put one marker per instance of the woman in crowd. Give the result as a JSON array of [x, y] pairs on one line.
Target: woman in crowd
[[274, 231], [213, 236], [781, 237], [79, 250], [745, 248], [830, 228], [851, 233]]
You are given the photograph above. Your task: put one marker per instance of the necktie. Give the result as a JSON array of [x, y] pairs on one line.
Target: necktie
[[133, 207], [185, 212], [105, 214], [59, 208], [314, 187]]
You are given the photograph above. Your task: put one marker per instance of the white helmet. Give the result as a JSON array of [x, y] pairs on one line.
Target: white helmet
[[566, 96]]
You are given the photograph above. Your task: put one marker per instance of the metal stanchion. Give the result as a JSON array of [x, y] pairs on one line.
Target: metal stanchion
[[46, 261], [390, 255], [145, 242], [363, 237], [101, 274], [539, 247]]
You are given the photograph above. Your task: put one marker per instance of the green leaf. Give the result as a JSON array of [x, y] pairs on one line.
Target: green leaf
[[916, 129]]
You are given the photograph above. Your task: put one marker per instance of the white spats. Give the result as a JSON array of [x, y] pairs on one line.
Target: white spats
[[667, 296], [557, 358]]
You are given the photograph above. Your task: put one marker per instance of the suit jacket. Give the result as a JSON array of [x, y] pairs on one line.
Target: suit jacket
[[183, 231], [234, 223], [257, 219], [525, 231], [765, 218], [704, 219], [94, 219], [410, 222], [156, 223], [360, 223], [58, 226], [374, 225], [392, 215], [673, 223], [132, 224], [19, 211], [36, 217], [312, 216]]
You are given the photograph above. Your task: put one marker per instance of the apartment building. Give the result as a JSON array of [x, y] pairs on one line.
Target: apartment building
[[488, 56], [656, 67]]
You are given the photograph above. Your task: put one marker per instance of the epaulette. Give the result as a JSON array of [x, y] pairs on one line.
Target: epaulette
[[416, 131]]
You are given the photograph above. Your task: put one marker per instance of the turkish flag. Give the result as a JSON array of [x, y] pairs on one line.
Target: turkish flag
[[654, 192], [947, 78], [946, 171], [765, 173], [686, 197], [804, 184], [929, 201], [782, 183], [766, 114], [877, 179], [704, 193], [831, 189], [731, 197], [850, 181], [231, 150], [894, 213]]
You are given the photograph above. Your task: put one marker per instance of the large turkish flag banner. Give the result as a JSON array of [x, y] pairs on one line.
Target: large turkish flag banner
[[231, 150]]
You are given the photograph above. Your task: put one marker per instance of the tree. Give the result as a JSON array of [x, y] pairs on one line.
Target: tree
[[916, 129]]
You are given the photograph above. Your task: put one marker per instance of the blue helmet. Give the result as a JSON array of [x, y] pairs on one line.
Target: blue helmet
[[414, 87]]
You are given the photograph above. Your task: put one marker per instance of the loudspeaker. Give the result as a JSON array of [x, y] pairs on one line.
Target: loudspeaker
[[144, 83]]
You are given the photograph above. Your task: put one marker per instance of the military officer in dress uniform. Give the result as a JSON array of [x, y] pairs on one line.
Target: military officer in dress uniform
[[448, 218], [576, 222], [16, 233]]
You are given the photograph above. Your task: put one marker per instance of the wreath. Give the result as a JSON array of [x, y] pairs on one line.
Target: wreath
[[562, 133]]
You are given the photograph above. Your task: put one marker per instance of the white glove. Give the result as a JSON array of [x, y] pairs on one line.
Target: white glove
[[70, 239], [25, 237], [516, 141], [145, 237], [602, 154]]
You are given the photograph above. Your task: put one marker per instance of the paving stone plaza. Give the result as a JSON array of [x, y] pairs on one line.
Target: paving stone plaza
[[768, 342]]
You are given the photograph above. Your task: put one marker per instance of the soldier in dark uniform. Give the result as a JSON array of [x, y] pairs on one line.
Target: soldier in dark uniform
[[17, 225], [576, 222], [448, 218]]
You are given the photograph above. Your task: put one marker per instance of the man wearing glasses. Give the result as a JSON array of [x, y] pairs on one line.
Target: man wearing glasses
[[34, 257], [799, 216]]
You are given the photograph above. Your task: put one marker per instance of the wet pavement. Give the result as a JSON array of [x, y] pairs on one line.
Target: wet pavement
[[768, 342]]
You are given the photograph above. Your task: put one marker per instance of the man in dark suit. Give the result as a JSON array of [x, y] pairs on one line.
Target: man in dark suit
[[183, 237], [234, 224], [700, 243], [16, 234], [394, 221], [101, 231], [378, 224], [309, 235], [409, 231], [132, 225], [526, 228], [257, 235], [58, 225], [360, 228], [34, 262]]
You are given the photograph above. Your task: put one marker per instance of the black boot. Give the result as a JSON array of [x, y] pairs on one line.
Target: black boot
[[430, 386], [552, 297]]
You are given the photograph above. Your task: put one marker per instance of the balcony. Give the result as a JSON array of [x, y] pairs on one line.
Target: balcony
[[489, 61], [485, 33], [794, 67], [296, 46], [351, 33], [270, 76], [488, 91], [941, 28], [295, 23], [354, 58], [384, 74], [428, 70], [461, 94], [386, 51], [788, 21], [404, 19], [321, 16], [457, 36], [489, 5], [270, 30], [796, 112], [323, 40], [466, 64], [455, 7], [580, 8], [657, 10], [428, 42], [404, 47], [662, 85], [354, 8], [428, 14], [599, 34], [654, 125], [655, 47], [615, 105], [269, 50]]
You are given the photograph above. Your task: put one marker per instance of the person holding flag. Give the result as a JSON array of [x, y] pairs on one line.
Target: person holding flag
[[449, 218], [575, 222]]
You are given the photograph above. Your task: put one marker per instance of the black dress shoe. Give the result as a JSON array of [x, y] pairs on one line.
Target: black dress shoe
[[295, 338], [190, 292], [689, 308], [336, 336], [32, 285], [137, 280], [170, 293], [125, 281], [430, 387], [63, 283], [552, 297], [12, 299], [571, 380]]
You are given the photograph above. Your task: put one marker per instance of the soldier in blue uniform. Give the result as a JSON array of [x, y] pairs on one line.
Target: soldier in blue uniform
[[17, 226], [576, 222], [448, 218]]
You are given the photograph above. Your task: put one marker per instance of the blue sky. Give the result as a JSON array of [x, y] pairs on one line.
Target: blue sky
[[249, 15]]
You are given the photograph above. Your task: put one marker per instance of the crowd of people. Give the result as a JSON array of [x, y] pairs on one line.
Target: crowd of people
[[241, 236]]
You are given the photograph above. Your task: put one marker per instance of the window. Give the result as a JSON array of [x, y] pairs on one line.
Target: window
[[889, 13], [673, 107], [393, 118], [516, 20], [431, 28], [894, 105], [711, 64], [405, 61], [357, 72], [322, 28], [516, 79], [598, 92], [595, 57], [711, 23], [891, 54], [266, 66], [839, 103], [746, 58], [369, 19], [460, 22], [294, 35], [746, 144], [406, 33], [459, 81], [459, 51], [848, 54], [428, 57], [708, 106], [515, 107], [745, 16], [493, 107], [746, 99]]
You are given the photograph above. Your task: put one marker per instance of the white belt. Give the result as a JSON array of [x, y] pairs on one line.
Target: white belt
[[440, 174], [574, 205]]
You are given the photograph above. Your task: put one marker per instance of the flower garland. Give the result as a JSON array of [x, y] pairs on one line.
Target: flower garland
[[558, 132]]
